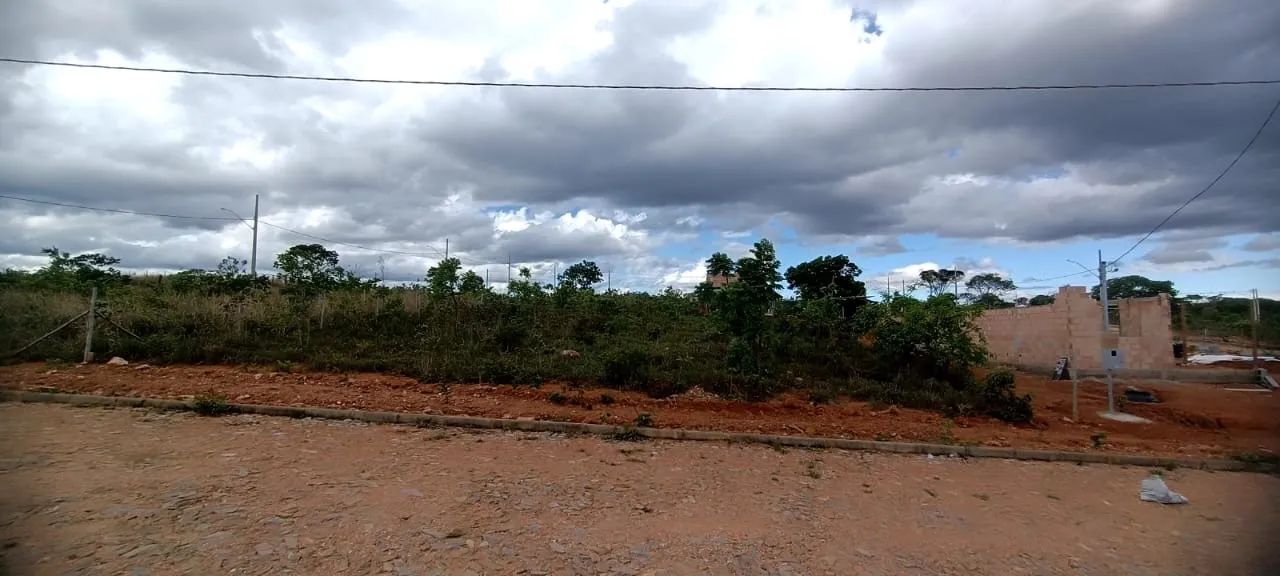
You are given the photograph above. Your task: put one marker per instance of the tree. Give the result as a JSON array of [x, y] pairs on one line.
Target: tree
[[989, 283], [759, 271], [719, 264], [1136, 287], [67, 272], [987, 290], [938, 281], [1041, 300], [442, 279], [471, 283], [581, 276], [524, 286], [312, 268], [833, 277]]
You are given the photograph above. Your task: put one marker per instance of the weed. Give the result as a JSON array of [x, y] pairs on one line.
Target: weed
[[1099, 439], [947, 436], [1260, 461], [558, 399], [627, 434], [210, 404], [881, 437], [779, 448], [812, 470], [607, 400], [644, 420]]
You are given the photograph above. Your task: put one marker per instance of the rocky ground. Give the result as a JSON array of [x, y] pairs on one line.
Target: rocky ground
[[99, 491]]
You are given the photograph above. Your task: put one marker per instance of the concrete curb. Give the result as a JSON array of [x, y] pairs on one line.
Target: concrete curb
[[656, 433]]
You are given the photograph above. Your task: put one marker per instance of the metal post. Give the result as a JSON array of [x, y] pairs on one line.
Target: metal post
[[88, 324], [1106, 327]]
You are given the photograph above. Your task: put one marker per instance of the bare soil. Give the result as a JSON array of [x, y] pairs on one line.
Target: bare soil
[[125, 491], [1192, 420]]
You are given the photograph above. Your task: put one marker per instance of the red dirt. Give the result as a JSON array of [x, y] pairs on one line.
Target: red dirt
[[1193, 420]]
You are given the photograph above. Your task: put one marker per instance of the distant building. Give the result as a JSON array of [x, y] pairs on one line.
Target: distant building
[[720, 280]]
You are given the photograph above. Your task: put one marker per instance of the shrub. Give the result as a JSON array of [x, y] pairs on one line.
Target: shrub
[[558, 399], [628, 369], [997, 398], [210, 404], [607, 399]]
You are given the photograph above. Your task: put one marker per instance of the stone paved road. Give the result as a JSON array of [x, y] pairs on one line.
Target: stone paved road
[[99, 491]]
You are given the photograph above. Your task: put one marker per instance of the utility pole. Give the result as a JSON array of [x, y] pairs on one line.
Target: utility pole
[[609, 280], [1257, 317], [446, 248], [253, 256], [1106, 327], [486, 277], [555, 273], [508, 266]]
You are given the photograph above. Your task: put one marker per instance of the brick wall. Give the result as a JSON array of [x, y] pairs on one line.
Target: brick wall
[[1072, 327]]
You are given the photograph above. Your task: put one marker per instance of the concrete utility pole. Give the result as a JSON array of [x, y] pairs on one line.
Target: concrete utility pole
[[1106, 327], [1257, 317], [253, 256], [446, 249], [508, 266]]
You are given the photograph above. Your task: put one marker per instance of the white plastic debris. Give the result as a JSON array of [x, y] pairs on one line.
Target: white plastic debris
[[1215, 358], [1155, 490], [117, 361]]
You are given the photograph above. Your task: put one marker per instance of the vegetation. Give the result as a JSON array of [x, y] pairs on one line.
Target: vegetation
[[743, 339], [210, 405]]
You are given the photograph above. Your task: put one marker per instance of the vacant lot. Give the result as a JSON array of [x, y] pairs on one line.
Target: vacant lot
[[1193, 420], [134, 492]]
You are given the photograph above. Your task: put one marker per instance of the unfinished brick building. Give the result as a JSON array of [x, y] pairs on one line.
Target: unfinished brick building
[[1037, 336]]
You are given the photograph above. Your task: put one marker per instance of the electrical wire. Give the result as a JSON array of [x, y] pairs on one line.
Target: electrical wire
[[116, 210], [1222, 174], [1058, 277], [664, 87], [435, 254]]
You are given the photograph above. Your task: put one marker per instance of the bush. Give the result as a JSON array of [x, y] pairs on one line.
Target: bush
[[997, 398], [628, 369], [210, 404]]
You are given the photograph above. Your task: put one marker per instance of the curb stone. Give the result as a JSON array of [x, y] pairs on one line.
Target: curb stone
[[655, 433]]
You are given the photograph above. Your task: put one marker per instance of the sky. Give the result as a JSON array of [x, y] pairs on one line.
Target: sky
[[648, 184]]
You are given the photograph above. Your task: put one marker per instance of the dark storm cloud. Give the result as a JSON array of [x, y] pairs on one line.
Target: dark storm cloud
[[1038, 166]]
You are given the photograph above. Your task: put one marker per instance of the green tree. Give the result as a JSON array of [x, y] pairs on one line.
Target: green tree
[[471, 283], [523, 286], [939, 281], [719, 264], [67, 272], [833, 277], [759, 271], [1136, 287], [311, 268], [1041, 300], [442, 279], [987, 290], [990, 283], [930, 339], [581, 276]]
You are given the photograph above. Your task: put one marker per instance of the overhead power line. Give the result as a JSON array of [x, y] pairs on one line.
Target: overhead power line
[[661, 87], [116, 210], [435, 254], [1224, 172]]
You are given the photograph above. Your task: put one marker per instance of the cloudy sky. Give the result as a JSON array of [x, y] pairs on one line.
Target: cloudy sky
[[649, 183]]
